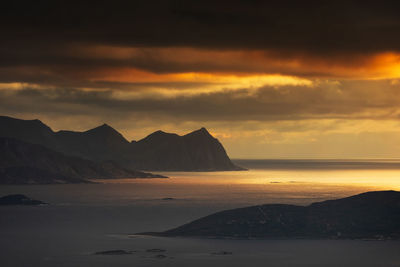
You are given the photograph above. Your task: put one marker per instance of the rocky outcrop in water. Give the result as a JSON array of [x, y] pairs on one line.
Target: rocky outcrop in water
[[18, 199]]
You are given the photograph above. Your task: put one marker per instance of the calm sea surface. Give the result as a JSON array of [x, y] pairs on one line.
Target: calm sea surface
[[83, 219]]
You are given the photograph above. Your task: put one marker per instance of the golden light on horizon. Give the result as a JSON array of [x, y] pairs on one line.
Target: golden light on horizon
[[387, 65], [202, 82]]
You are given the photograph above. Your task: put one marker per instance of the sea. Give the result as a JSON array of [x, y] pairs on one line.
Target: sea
[[82, 219]]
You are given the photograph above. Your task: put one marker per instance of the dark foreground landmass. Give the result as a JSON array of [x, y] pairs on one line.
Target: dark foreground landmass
[[371, 215], [18, 199]]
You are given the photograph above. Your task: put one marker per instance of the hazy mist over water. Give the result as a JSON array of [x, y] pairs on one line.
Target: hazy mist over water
[[83, 219]]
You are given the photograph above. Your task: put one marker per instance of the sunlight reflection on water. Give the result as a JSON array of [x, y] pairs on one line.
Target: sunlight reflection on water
[[93, 217]]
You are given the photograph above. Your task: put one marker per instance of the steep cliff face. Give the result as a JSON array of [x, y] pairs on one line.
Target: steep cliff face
[[196, 151], [207, 152], [25, 163]]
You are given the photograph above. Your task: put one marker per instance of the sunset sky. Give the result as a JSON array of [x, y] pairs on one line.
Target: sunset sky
[[284, 79]]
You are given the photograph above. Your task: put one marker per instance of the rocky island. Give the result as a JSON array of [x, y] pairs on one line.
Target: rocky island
[[19, 199]]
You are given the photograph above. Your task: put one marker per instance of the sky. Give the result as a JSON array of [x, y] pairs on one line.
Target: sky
[[269, 79]]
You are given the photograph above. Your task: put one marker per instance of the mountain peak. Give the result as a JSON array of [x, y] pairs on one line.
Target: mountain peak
[[157, 135], [159, 132], [19, 122], [203, 129], [106, 131], [103, 128], [200, 132], [32, 131]]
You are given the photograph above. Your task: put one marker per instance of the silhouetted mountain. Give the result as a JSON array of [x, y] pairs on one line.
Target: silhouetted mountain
[[99, 144], [369, 215], [31, 131], [25, 163], [19, 200], [196, 151]]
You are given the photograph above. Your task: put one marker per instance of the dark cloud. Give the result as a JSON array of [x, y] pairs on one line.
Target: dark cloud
[[315, 26], [348, 100], [68, 59], [48, 36]]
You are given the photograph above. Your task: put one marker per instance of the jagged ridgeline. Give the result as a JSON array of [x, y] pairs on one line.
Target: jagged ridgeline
[[160, 151]]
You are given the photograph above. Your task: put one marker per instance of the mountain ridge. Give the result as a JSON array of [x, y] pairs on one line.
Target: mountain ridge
[[26, 163], [159, 151], [195, 151]]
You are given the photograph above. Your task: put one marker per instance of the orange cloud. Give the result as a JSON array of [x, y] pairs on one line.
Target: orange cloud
[[90, 65], [191, 64]]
